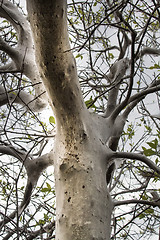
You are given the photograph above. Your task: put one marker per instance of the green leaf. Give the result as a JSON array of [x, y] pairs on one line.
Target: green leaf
[[48, 186], [153, 144], [46, 216], [41, 222], [149, 211], [44, 190], [145, 197], [156, 161], [148, 152], [148, 128], [142, 215], [89, 103], [52, 120], [79, 56], [155, 66]]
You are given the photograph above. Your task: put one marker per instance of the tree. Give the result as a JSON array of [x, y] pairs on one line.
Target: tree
[[116, 42]]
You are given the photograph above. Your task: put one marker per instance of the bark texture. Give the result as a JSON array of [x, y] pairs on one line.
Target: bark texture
[[81, 157]]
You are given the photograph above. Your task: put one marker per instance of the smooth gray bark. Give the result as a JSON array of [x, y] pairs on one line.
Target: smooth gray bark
[[83, 203]]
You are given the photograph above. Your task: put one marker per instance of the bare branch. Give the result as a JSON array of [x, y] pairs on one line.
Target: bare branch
[[136, 156], [115, 76], [148, 51], [20, 97], [125, 102], [112, 10], [7, 48], [34, 168], [130, 107], [142, 187], [116, 133], [23, 55], [153, 88], [137, 201]]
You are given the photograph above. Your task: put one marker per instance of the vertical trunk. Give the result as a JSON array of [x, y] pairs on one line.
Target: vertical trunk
[[55, 60], [83, 203]]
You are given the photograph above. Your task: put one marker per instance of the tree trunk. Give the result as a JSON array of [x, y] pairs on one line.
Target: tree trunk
[[83, 204]]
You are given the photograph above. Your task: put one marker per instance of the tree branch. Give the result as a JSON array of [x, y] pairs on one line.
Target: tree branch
[[137, 201], [148, 51], [56, 63], [136, 156], [130, 107], [7, 48], [145, 92], [115, 76], [120, 107], [23, 55], [112, 10], [131, 190], [34, 168]]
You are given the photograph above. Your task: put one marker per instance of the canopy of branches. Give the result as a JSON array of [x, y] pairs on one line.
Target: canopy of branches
[[116, 45]]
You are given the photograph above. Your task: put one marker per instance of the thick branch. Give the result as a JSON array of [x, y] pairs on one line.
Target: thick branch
[[34, 168], [23, 55], [7, 48], [115, 76], [130, 107], [125, 102], [118, 126], [11, 151], [136, 156], [20, 97], [56, 62], [10, 12], [145, 92], [148, 51]]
